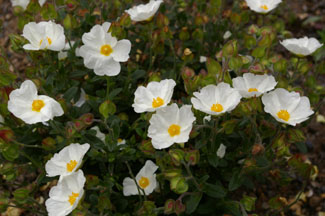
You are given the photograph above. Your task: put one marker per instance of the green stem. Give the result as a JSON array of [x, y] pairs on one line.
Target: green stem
[[175, 58], [107, 87], [187, 167], [28, 146]]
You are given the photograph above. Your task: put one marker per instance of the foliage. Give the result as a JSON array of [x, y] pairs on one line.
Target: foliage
[[261, 152]]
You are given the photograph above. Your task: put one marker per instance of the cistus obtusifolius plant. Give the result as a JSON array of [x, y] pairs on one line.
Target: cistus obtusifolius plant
[[161, 107]]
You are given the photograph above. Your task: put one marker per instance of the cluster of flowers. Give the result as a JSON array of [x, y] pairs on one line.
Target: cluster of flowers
[[170, 124]]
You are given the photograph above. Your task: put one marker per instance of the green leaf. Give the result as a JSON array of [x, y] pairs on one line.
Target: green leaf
[[302, 147], [235, 181], [214, 190], [70, 93], [248, 202], [193, 202]]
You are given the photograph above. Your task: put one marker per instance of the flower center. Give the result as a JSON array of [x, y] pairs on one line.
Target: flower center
[[71, 165], [73, 197], [284, 115], [144, 182], [49, 40], [252, 90], [158, 102], [174, 130], [216, 107], [264, 7], [119, 140], [37, 105], [106, 50]]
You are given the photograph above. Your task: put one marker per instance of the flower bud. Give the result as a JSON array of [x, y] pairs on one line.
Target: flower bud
[[123, 116], [48, 143], [253, 29], [230, 49], [87, 118], [154, 77], [171, 173], [78, 125], [162, 20], [184, 35], [179, 207], [187, 73], [146, 147], [192, 156], [177, 156], [169, 206], [178, 185], [107, 108], [7, 135], [257, 149]]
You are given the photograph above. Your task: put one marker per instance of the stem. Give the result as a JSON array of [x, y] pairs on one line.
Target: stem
[[28, 146], [150, 50], [136, 183], [175, 58], [224, 68], [107, 87], [187, 167]]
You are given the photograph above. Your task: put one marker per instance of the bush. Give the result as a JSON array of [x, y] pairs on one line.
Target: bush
[[230, 140]]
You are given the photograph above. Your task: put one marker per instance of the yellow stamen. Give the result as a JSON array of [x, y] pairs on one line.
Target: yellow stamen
[[41, 41], [106, 50], [284, 115], [37, 105], [71, 165], [216, 107], [174, 130], [264, 7], [158, 102], [49, 40], [144, 182], [252, 90], [73, 197], [119, 140]]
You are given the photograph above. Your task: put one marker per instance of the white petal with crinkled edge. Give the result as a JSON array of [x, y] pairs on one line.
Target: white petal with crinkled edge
[[144, 96], [147, 171], [99, 134], [58, 203], [164, 119], [280, 99], [302, 46], [21, 100], [144, 12], [57, 165], [262, 83], [221, 94], [262, 6], [103, 64]]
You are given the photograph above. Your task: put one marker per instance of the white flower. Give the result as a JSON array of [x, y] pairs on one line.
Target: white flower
[[302, 46], [203, 59], [67, 160], [24, 3], [144, 12], [121, 141], [44, 35], [287, 107], [227, 35], [262, 6], [221, 151], [171, 125], [153, 97], [251, 85], [146, 179], [82, 99], [99, 134], [1, 119], [65, 196], [102, 52], [215, 100], [25, 104]]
